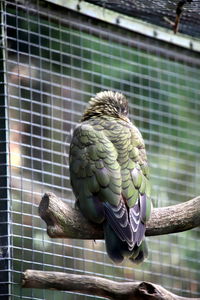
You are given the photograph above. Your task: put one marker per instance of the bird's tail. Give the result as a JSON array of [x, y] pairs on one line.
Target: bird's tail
[[140, 253], [118, 250]]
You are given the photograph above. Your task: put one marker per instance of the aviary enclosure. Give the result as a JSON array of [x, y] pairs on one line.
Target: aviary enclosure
[[53, 59]]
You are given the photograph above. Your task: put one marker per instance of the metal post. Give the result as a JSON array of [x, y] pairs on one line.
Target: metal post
[[4, 211]]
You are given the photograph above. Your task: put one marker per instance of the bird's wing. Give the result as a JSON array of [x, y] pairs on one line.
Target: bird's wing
[[96, 180], [136, 185]]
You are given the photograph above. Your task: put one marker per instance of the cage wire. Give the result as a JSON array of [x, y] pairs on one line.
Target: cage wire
[[54, 61]]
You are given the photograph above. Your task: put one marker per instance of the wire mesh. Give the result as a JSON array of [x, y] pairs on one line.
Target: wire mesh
[[55, 61]]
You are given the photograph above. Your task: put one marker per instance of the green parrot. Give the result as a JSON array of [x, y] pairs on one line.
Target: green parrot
[[110, 177]]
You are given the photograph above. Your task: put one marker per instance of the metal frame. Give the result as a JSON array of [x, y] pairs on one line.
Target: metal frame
[[4, 187], [152, 43], [130, 23]]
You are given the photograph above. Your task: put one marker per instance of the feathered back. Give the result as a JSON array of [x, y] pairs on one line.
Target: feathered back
[[109, 175]]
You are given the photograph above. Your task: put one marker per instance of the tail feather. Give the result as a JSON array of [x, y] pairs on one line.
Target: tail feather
[[139, 236], [142, 254], [118, 250], [117, 217], [124, 232]]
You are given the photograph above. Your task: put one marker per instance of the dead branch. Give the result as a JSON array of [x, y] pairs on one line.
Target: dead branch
[[64, 221], [97, 286]]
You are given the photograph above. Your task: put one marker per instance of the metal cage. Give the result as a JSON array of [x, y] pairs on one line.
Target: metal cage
[[53, 60]]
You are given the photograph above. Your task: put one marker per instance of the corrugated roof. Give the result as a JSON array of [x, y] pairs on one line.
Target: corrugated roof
[[159, 12]]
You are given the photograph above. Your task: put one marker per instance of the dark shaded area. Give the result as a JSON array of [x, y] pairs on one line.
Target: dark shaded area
[[3, 177]]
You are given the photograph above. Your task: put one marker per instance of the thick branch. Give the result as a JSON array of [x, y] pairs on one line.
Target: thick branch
[[67, 222], [97, 286]]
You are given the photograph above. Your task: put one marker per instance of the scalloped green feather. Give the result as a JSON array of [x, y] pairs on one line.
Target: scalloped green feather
[[131, 201], [136, 177], [131, 164], [84, 139], [102, 176], [129, 191], [125, 183], [93, 154], [134, 153], [142, 188], [148, 188], [106, 194], [92, 184], [99, 164], [115, 186]]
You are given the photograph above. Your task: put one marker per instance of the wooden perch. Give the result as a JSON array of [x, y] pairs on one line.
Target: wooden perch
[[97, 286], [63, 221]]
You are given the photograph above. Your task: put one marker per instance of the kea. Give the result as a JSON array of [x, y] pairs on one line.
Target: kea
[[109, 175]]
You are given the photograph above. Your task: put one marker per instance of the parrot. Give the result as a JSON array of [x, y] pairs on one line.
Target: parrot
[[109, 175]]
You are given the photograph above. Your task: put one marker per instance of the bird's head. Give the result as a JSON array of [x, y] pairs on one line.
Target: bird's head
[[108, 103]]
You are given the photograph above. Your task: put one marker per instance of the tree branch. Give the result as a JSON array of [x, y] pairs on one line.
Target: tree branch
[[64, 221], [97, 286]]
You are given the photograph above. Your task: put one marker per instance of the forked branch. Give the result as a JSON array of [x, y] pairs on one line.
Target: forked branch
[[64, 221]]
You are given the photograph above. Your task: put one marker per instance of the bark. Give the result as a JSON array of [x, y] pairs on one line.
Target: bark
[[63, 221], [97, 286]]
